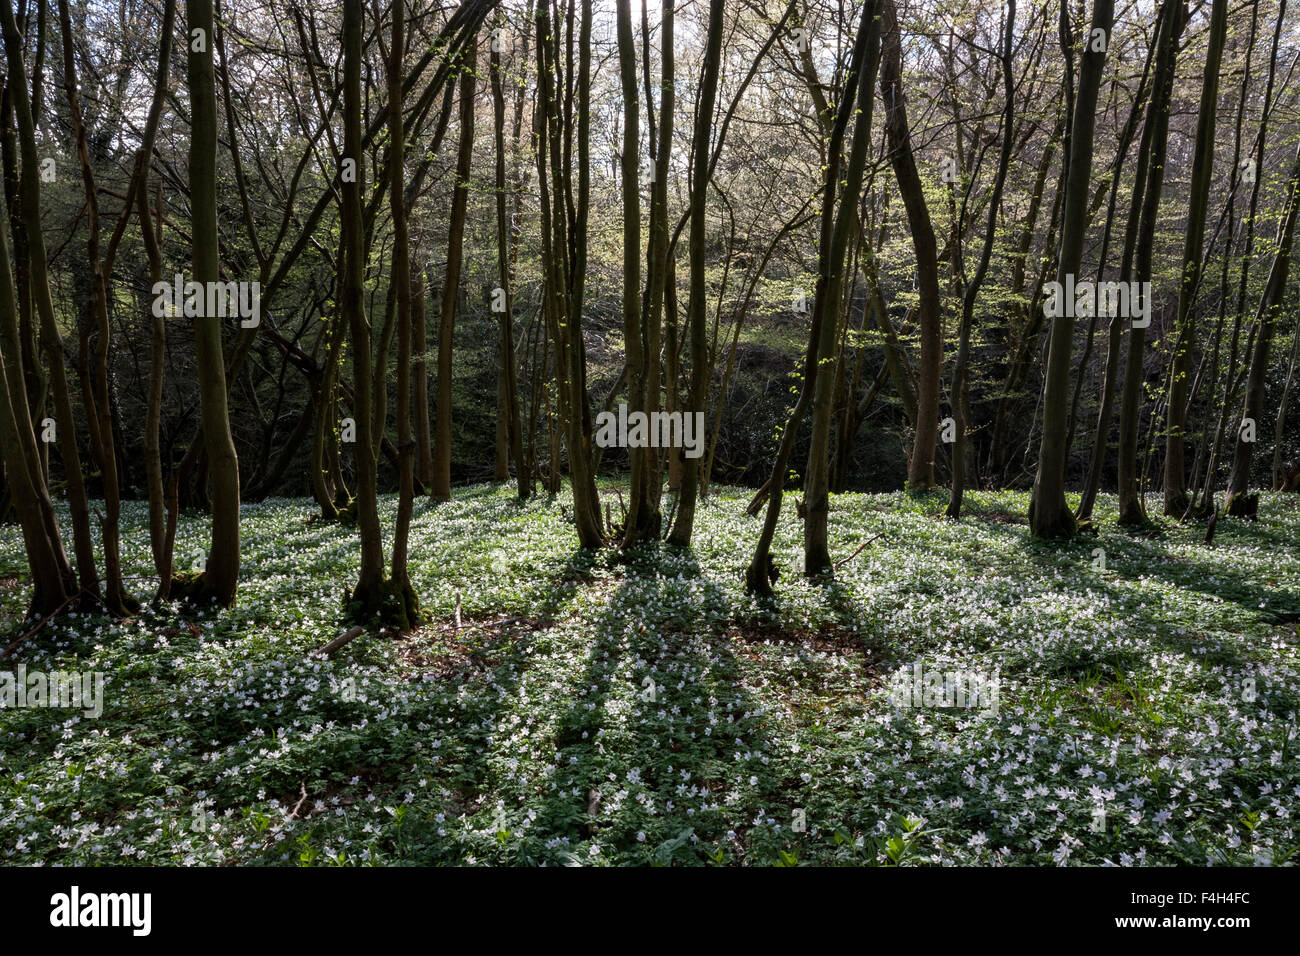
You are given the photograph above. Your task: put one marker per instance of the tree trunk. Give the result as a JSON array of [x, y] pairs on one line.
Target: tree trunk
[[1050, 516], [920, 470], [368, 594], [843, 209], [1270, 306], [1197, 202], [51, 341], [761, 572], [53, 580], [971, 292], [420, 345], [701, 369], [407, 613], [1132, 510], [451, 281], [509, 429], [221, 574], [97, 396]]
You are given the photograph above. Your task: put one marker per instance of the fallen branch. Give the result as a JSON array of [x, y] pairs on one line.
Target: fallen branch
[[301, 800], [347, 637], [840, 564], [43, 621]]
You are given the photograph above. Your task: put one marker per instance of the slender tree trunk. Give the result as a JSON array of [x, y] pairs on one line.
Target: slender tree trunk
[[221, 574], [508, 379], [420, 345], [761, 572], [51, 341], [1270, 306], [325, 489], [451, 281], [658, 267], [633, 334], [1176, 501], [368, 594], [701, 370], [1022, 340], [971, 292], [1132, 510], [403, 592], [151, 233], [1115, 328], [53, 582], [828, 294], [564, 248], [1050, 516], [920, 470], [97, 395], [1233, 382], [1282, 406]]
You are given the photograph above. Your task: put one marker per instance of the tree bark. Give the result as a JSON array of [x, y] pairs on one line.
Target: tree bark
[[1050, 516], [451, 280], [971, 292], [51, 341], [1132, 509], [220, 577], [701, 370], [920, 469], [1176, 501]]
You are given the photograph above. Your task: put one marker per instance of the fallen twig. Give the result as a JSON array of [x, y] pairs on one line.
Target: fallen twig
[[347, 637], [43, 621], [301, 800], [840, 564]]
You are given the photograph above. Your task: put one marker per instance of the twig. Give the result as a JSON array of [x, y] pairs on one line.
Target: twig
[[301, 800], [45, 620], [347, 637], [840, 564]]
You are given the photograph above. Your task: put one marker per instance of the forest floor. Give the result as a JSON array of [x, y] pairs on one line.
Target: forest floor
[[588, 710]]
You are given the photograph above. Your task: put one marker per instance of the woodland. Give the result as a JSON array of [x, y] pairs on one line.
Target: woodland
[[587, 432]]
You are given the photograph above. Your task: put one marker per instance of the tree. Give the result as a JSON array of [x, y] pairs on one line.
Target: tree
[[1132, 510], [369, 593], [1050, 516], [641, 522], [508, 377], [220, 577], [1266, 317], [54, 584], [827, 297], [451, 278], [971, 293], [51, 340], [1176, 501], [564, 247], [701, 370], [920, 468], [854, 98], [403, 592]]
